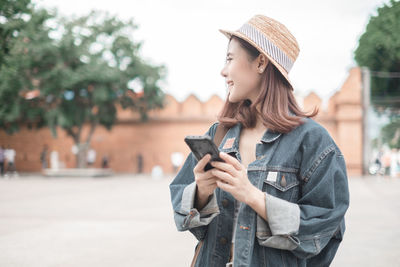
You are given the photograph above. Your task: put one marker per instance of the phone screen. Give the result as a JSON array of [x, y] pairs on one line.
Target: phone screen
[[201, 146]]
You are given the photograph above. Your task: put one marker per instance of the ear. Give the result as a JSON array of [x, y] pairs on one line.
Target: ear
[[262, 62]]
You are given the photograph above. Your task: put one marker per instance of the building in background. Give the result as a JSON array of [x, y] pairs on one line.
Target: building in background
[[162, 136]]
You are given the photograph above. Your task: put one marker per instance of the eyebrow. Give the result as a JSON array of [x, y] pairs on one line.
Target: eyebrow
[[229, 54]]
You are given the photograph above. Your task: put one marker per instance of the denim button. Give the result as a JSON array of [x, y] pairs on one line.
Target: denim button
[[225, 203], [223, 240]]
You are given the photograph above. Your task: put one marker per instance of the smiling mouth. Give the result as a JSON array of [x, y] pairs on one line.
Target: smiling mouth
[[229, 84]]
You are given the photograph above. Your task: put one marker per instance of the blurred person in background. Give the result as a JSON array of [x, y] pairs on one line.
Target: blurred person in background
[[104, 162], [393, 163], [2, 158], [140, 163], [386, 160], [176, 159], [43, 157], [10, 157], [280, 195], [91, 157]]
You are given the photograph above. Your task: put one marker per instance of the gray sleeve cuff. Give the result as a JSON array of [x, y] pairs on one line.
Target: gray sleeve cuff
[[283, 222], [283, 216], [194, 217]]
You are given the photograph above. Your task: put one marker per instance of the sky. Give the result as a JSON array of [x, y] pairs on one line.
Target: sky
[[183, 35]]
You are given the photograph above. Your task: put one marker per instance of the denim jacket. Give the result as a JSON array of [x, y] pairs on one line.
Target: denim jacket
[[303, 175]]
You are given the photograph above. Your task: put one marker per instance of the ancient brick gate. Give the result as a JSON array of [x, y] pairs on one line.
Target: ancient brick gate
[[132, 143]]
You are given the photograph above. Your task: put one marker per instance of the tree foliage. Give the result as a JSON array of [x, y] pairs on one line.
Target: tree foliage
[[379, 50], [391, 133], [14, 17], [71, 72], [12, 14]]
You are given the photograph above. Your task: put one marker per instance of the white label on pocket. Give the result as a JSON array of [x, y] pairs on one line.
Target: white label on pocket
[[272, 176]]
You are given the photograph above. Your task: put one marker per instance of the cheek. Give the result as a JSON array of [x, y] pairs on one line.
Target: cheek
[[253, 80], [239, 74], [245, 79]]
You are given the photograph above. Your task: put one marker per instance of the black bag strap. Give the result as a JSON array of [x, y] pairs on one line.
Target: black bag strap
[[220, 133]]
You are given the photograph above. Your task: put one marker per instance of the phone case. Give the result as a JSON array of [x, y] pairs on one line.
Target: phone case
[[201, 146]]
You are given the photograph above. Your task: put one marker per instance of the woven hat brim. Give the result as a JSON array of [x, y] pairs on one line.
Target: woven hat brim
[[229, 34]]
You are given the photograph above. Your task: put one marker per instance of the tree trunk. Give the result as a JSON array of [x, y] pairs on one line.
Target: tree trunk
[[81, 155], [82, 147]]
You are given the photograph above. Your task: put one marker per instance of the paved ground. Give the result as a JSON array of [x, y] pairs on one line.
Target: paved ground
[[127, 221]]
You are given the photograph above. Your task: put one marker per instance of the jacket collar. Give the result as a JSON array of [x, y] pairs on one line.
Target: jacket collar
[[270, 136]]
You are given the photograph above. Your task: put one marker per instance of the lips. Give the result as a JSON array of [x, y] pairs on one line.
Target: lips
[[229, 83]]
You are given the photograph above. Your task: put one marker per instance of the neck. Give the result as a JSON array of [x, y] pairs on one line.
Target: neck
[[260, 125]]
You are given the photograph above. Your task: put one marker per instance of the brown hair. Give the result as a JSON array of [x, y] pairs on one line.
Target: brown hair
[[278, 107]]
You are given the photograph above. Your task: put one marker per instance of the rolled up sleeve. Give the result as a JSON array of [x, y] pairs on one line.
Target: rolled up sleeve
[[306, 227], [283, 221], [283, 216], [194, 217], [324, 203], [183, 193]]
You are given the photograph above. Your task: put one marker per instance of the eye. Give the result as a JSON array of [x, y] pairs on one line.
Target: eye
[[228, 59]]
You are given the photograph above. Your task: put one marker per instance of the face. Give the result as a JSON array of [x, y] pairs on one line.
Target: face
[[242, 74]]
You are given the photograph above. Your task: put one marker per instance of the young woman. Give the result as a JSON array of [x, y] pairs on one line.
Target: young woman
[[280, 196]]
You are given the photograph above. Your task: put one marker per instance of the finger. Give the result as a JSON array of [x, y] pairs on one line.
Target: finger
[[224, 176], [202, 163], [232, 160], [206, 176], [214, 183], [207, 183], [224, 167], [226, 187]]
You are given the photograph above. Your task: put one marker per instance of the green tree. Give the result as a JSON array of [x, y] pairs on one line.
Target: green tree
[[75, 72], [379, 50], [391, 133], [20, 25], [12, 14]]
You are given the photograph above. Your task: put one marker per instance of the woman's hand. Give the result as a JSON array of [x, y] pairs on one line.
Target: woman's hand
[[232, 178], [206, 182]]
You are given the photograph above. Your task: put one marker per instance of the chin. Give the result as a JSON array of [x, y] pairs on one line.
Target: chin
[[234, 100]]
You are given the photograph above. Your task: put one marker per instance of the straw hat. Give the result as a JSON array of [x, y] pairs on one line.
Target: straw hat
[[272, 39]]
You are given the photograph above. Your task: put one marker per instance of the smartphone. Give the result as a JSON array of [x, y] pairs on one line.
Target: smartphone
[[202, 145]]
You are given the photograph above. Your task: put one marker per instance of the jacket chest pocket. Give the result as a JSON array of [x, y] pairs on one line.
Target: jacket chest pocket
[[282, 184]]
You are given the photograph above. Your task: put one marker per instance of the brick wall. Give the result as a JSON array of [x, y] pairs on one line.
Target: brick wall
[[157, 139], [343, 119]]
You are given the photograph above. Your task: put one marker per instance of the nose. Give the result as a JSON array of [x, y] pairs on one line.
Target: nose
[[223, 72]]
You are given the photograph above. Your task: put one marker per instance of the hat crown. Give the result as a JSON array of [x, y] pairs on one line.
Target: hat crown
[[272, 39], [277, 33]]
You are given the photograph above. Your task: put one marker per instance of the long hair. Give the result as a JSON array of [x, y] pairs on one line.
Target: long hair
[[278, 111]]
